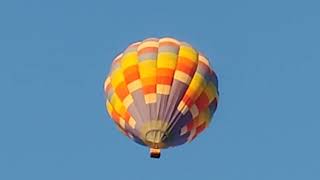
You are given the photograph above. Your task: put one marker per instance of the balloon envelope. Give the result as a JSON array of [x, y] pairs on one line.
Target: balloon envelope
[[161, 92]]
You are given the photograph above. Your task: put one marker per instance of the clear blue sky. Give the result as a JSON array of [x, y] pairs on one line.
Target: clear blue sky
[[54, 56]]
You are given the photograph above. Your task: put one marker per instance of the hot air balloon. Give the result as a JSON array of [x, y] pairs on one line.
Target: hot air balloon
[[161, 92]]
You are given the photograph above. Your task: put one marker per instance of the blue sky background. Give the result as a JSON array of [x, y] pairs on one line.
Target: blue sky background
[[54, 56]]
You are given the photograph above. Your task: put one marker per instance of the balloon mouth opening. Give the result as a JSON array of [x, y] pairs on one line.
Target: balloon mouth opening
[[154, 138]]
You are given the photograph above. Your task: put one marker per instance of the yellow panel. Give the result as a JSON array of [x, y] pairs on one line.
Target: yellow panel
[[211, 91], [117, 105], [188, 52], [203, 116], [196, 86], [116, 78], [115, 102], [129, 59], [113, 99], [167, 60], [109, 107], [147, 68]]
